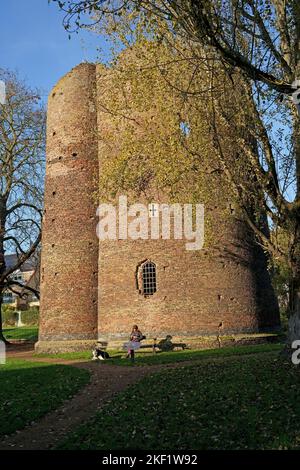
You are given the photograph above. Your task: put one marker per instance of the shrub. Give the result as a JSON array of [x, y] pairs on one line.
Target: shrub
[[10, 317], [31, 316]]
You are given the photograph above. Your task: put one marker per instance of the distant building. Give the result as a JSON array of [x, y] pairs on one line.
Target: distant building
[[27, 275]]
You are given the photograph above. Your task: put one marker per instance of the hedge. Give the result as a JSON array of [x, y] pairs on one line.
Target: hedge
[[10, 317]]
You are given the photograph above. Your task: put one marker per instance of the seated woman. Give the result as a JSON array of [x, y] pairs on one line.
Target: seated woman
[[136, 337]]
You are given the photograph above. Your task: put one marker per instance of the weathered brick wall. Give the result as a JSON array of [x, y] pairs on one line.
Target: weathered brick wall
[[69, 266], [196, 291]]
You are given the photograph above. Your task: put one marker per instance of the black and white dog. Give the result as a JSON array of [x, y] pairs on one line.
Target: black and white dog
[[99, 354]]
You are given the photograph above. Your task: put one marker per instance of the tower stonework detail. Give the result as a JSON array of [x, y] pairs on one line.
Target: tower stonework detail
[[69, 265], [90, 288]]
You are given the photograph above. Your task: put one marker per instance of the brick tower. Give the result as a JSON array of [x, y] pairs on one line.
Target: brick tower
[[92, 289], [69, 265]]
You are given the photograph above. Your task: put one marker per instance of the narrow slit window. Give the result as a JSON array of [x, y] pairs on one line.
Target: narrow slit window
[[149, 278]]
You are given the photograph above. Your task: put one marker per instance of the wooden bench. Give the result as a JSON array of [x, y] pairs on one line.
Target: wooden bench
[[164, 345]]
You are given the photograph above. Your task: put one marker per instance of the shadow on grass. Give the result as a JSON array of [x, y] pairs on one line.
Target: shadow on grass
[[30, 390], [28, 333], [143, 358]]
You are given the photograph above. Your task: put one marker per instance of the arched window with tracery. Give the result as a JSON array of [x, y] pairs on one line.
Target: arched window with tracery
[[147, 278]]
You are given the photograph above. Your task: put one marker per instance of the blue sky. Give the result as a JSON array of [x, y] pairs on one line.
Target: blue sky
[[34, 42]]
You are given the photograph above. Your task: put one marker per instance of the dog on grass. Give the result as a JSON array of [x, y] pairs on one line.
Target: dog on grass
[[99, 354]]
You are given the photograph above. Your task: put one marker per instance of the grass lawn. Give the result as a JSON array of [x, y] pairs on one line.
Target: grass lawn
[[22, 332], [233, 402], [29, 390], [148, 358]]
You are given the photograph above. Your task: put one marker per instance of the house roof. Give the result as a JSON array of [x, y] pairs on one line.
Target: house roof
[[29, 265]]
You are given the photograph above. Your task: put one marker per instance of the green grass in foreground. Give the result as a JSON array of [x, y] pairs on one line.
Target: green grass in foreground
[[30, 390], [227, 403], [23, 332], [147, 358]]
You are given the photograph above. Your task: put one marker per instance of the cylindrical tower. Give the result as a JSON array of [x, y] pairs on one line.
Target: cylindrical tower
[[87, 292], [68, 317]]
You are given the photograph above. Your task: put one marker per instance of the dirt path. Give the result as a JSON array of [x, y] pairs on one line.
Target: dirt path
[[105, 382]]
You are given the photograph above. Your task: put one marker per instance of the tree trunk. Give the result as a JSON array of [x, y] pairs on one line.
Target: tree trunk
[[294, 291], [3, 214]]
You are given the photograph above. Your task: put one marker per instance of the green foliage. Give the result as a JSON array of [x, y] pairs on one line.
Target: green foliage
[[30, 317], [281, 280], [29, 333], [9, 315], [30, 390], [226, 403], [165, 150], [282, 273], [142, 106]]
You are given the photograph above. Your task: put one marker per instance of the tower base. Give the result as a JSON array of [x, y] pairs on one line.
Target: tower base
[[54, 347]]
